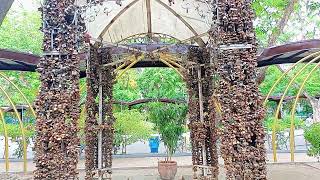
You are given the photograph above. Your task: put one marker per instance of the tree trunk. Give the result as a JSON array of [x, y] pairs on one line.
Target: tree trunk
[[315, 103], [282, 23], [275, 35]]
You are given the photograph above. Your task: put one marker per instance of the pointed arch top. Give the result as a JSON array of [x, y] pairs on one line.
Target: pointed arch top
[[184, 19]]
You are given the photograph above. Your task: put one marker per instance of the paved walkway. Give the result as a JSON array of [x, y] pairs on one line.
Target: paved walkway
[[147, 162], [145, 168], [276, 171]]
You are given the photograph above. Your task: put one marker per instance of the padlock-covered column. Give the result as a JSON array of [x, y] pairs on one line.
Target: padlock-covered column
[[233, 47], [202, 121], [57, 105]]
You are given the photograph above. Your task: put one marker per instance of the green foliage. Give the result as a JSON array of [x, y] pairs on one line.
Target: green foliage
[[126, 88], [282, 124], [20, 31], [169, 120], [303, 23], [268, 13], [272, 74], [81, 124], [131, 126], [312, 86], [27, 82], [312, 135], [161, 83], [14, 131]]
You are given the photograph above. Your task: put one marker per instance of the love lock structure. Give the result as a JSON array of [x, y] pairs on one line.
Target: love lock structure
[[211, 44]]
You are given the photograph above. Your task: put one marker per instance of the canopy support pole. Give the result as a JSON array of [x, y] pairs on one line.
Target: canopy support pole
[[204, 152], [100, 175]]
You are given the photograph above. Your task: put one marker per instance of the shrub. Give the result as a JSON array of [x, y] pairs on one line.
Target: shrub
[[312, 135]]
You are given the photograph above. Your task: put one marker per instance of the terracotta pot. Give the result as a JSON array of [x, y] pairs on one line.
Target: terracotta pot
[[167, 169]]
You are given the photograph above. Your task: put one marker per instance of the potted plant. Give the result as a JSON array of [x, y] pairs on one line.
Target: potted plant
[[169, 122]]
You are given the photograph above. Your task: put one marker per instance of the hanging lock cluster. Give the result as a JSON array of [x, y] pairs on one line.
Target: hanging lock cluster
[[57, 105], [99, 56], [203, 133], [242, 133]]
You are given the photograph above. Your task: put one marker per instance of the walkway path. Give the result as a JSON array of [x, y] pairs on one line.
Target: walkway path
[[139, 162]]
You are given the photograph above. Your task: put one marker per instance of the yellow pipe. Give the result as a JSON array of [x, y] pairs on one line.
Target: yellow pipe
[[6, 140], [21, 127], [82, 118], [285, 73], [217, 105], [171, 61], [125, 63], [172, 58], [128, 67], [82, 87], [293, 110], [176, 64], [168, 64], [23, 96], [274, 146]]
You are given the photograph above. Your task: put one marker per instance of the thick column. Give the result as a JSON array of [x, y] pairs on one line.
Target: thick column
[[234, 54], [57, 105]]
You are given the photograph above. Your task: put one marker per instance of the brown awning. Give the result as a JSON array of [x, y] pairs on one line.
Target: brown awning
[[284, 54]]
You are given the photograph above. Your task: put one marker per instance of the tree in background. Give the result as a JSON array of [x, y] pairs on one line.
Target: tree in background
[[20, 31], [161, 83], [169, 119], [282, 21], [127, 88], [130, 126]]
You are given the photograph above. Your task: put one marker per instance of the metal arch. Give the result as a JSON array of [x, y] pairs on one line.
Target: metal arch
[[23, 135], [199, 41], [103, 32], [274, 145], [20, 92], [154, 33], [292, 126], [6, 140]]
